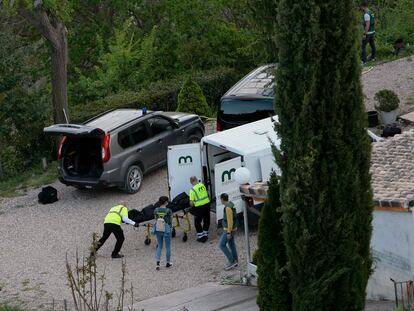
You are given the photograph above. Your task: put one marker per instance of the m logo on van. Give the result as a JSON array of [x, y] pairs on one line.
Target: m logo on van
[[185, 160], [228, 174]]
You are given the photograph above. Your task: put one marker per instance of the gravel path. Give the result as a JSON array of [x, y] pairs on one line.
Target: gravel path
[[36, 238], [397, 76]]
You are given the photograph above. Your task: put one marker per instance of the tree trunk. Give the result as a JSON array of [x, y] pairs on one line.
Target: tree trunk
[[55, 33], [59, 60]]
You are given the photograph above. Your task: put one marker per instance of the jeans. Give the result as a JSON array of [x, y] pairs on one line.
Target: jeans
[[369, 39], [161, 237], [230, 251], [119, 235]]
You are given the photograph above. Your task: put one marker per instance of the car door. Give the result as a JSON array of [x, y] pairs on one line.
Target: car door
[[137, 145], [163, 134], [184, 161]]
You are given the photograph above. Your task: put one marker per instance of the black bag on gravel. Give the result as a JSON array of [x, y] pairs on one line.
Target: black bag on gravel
[[148, 212], [47, 195], [391, 131], [136, 215]]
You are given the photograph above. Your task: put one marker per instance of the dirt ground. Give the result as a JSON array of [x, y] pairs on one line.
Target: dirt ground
[[35, 239]]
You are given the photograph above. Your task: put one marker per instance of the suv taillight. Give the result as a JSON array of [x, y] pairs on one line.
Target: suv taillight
[[61, 142], [218, 126], [106, 155]]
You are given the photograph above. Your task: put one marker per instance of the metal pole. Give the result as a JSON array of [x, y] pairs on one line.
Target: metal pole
[[246, 234], [395, 291]]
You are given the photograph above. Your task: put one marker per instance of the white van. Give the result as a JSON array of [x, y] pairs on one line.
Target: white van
[[215, 159]]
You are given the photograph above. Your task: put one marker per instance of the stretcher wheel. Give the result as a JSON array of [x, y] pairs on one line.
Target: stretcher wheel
[[173, 233], [185, 237], [147, 241]]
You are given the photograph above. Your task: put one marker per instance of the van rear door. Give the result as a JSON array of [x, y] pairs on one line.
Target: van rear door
[[225, 182], [183, 161], [73, 130]]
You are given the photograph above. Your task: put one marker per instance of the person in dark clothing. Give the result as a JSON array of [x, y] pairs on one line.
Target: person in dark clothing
[[200, 203], [112, 224], [369, 23]]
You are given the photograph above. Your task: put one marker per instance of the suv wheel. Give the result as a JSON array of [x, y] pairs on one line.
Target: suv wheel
[[133, 179], [194, 138]]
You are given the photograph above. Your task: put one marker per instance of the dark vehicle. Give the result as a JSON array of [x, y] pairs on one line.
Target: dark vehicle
[[250, 99], [118, 147]]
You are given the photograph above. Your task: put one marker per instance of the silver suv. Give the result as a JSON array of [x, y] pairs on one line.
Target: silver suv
[[118, 147]]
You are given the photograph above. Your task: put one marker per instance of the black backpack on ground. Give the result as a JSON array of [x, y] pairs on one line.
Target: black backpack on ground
[[391, 131], [47, 195]]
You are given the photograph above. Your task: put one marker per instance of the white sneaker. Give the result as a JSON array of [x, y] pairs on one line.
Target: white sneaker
[[231, 266]]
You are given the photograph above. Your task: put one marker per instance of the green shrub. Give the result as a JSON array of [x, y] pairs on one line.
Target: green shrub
[[191, 99], [387, 100], [160, 95]]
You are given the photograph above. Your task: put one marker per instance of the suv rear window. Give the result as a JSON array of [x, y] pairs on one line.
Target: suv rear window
[[246, 110], [133, 135]]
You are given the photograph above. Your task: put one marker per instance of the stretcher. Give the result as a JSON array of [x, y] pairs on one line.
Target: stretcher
[[180, 217], [180, 220]]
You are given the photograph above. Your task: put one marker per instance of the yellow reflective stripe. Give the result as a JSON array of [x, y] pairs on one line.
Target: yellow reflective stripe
[[117, 212], [198, 198]]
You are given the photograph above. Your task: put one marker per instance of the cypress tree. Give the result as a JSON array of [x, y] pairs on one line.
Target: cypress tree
[[191, 99], [325, 155], [272, 280]]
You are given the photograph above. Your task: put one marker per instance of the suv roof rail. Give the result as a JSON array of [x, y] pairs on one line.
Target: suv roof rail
[[99, 115]]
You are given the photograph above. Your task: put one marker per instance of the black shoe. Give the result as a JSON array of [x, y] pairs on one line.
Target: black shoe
[[200, 239], [204, 239], [157, 267], [117, 256], [169, 264]]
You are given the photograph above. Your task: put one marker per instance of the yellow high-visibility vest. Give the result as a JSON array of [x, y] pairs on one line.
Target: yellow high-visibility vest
[[199, 195], [115, 214]]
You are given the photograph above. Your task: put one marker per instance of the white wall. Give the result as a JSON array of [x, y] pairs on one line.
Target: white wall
[[393, 248]]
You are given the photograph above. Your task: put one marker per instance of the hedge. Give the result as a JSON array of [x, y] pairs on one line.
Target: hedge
[[160, 95]]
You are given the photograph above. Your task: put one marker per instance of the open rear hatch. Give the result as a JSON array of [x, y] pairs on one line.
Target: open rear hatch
[[73, 130], [81, 150]]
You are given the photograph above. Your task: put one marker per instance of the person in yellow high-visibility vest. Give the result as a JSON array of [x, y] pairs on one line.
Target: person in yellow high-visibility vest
[[200, 202], [112, 224]]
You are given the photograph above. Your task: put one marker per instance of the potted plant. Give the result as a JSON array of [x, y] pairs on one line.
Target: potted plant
[[387, 106]]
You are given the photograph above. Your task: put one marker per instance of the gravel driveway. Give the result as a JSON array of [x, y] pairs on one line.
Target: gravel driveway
[[36, 238], [397, 76]]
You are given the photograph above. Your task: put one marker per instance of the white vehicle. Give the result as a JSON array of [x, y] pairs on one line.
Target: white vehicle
[[215, 159]]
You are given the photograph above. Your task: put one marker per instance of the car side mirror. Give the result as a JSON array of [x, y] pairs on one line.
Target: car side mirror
[[176, 125]]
